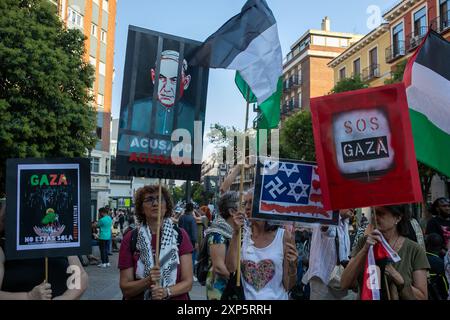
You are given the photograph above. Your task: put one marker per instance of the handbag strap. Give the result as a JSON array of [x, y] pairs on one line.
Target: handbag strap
[[336, 241]]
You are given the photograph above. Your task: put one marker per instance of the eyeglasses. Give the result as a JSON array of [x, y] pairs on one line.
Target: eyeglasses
[[152, 200], [245, 203]]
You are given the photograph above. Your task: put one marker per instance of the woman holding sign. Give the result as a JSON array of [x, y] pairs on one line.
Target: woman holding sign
[[268, 258], [141, 277], [401, 263], [24, 279]]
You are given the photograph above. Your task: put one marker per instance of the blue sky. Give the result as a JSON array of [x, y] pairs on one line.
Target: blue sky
[[197, 19]]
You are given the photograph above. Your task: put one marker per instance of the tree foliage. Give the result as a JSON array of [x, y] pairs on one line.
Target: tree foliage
[[200, 195], [226, 139], [397, 74], [349, 84], [296, 137], [178, 193], [45, 105]]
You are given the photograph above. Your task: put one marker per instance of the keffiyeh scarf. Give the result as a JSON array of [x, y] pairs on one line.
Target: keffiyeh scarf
[[168, 256], [221, 227]]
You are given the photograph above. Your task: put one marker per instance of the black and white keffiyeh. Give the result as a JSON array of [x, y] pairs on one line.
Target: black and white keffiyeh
[[168, 256]]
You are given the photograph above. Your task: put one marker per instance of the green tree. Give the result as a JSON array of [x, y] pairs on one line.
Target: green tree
[[397, 74], [225, 138], [178, 193], [200, 195], [349, 84], [45, 105], [296, 137]]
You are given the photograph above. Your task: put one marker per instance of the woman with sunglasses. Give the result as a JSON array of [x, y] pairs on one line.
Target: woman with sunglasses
[[141, 277]]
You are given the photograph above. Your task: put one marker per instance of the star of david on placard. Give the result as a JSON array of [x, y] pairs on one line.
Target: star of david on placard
[[289, 171], [294, 186]]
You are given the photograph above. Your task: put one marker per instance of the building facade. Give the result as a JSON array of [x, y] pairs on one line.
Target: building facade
[[392, 43], [305, 69], [96, 19], [365, 58], [409, 21]]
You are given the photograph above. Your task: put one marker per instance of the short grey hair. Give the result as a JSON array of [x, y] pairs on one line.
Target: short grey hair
[[227, 201]]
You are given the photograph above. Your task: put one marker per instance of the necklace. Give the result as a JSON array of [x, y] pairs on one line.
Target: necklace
[[395, 243]]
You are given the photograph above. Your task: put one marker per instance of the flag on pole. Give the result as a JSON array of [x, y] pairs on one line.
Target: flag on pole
[[248, 43], [380, 252], [270, 109], [427, 82]]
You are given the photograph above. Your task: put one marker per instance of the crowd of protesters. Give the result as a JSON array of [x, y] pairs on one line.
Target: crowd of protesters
[[277, 261]]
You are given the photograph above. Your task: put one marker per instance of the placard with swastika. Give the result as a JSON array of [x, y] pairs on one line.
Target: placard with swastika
[[290, 190]]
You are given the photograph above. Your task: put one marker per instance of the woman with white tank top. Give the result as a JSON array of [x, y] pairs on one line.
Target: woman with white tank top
[[268, 258]]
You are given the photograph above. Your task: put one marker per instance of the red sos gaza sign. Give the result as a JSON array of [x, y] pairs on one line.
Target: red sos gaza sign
[[364, 148]]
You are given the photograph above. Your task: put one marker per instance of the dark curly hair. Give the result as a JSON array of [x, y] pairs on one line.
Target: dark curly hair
[[139, 201], [436, 204]]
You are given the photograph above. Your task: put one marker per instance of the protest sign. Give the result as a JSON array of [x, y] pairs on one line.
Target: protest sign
[[48, 213], [289, 190], [364, 148], [163, 108]]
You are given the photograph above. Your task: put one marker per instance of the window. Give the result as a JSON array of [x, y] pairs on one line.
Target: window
[[344, 43], [304, 43], [94, 30], [99, 133], [103, 36], [373, 63], [106, 165], [319, 41], [93, 61], [357, 67], [373, 56], [105, 5], [75, 19], [333, 42], [444, 11], [95, 165], [342, 74], [420, 22], [300, 100], [100, 99], [102, 68], [398, 40]]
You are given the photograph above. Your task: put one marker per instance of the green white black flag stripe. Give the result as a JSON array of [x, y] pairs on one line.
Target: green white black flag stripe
[[248, 43], [427, 81]]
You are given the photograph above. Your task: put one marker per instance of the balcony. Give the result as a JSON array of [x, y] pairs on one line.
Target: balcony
[[414, 39], [295, 81], [286, 85], [442, 23], [285, 108], [371, 72], [293, 104], [395, 51]]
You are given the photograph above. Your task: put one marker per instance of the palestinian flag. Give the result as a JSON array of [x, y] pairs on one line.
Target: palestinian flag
[[427, 82], [269, 116], [248, 43], [379, 253]]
